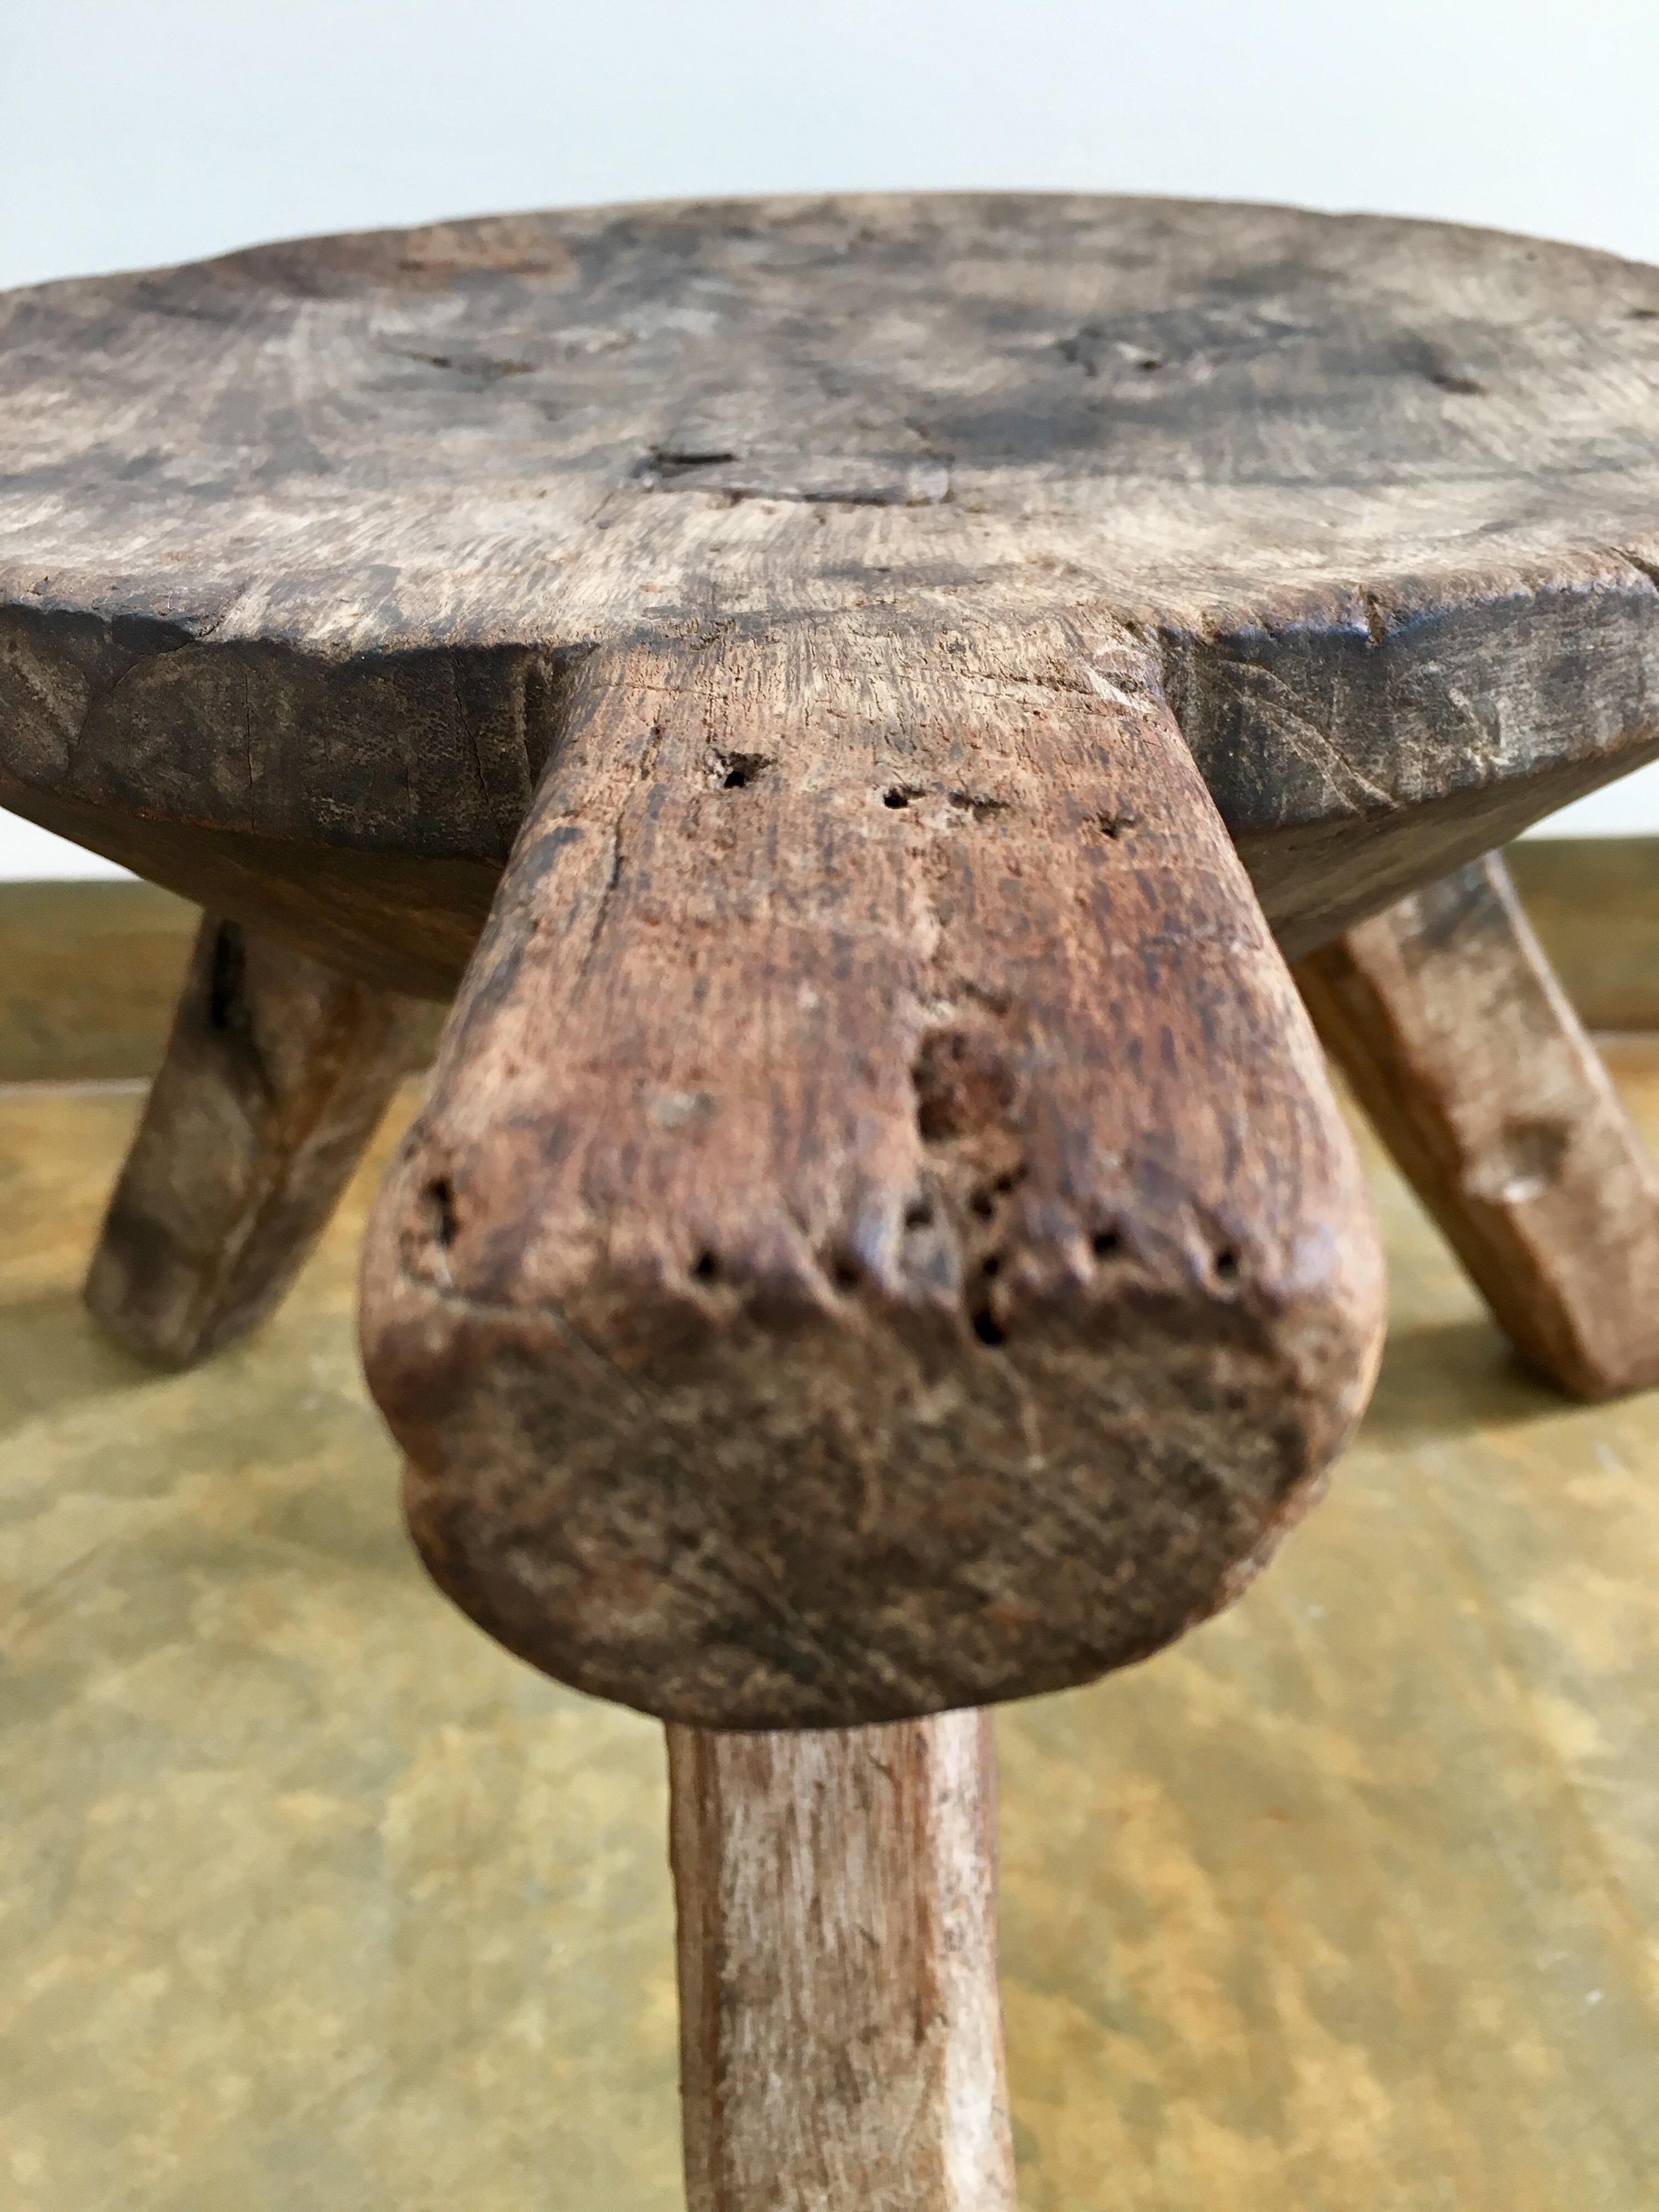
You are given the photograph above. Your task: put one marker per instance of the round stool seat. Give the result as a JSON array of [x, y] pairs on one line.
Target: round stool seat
[[877, 1239], [299, 547]]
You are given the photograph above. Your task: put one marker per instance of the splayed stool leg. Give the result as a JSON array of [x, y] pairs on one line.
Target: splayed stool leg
[[1463, 1049], [276, 1074]]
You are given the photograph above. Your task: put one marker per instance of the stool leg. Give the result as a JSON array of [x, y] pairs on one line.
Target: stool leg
[[879, 1239], [1464, 1051], [841, 2031], [275, 1075]]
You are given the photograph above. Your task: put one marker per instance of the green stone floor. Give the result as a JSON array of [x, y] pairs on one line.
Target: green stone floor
[[311, 1900]]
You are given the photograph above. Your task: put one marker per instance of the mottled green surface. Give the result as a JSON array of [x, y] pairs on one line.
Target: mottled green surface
[[88, 975], [90, 971], [1594, 903], [309, 1898]]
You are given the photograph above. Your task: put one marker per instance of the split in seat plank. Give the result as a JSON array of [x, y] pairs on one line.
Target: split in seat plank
[[1382, 496]]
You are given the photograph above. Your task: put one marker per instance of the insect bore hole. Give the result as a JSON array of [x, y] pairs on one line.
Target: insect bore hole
[[896, 795], [227, 981], [1226, 1264], [1106, 1243], [440, 1206], [735, 771], [706, 1269]]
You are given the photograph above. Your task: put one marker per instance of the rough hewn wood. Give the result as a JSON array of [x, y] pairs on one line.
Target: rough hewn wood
[[1464, 1051], [840, 2025], [878, 1238], [276, 1071], [881, 1239], [298, 547]]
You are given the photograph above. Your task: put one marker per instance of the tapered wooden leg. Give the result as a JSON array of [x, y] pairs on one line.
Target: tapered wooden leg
[[879, 1239], [277, 1072], [841, 2032], [1465, 1052]]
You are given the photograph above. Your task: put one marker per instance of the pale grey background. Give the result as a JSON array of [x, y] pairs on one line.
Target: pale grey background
[[134, 132]]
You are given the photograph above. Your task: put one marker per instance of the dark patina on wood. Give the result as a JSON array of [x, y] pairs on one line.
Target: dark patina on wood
[[298, 547], [878, 1237]]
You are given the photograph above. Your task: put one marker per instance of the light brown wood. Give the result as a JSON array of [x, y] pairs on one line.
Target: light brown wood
[[299, 547], [1465, 1052], [880, 1237], [841, 2024], [276, 1071]]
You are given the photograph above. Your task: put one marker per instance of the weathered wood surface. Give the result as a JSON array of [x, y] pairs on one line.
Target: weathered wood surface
[[277, 1072], [298, 548], [841, 2023], [1466, 1053], [879, 1237]]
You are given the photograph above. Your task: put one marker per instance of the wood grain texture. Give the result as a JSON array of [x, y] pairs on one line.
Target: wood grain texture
[[841, 2024], [277, 1072], [1465, 1052], [879, 1237], [298, 547]]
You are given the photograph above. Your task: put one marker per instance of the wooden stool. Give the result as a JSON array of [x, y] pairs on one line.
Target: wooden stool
[[880, 674]]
